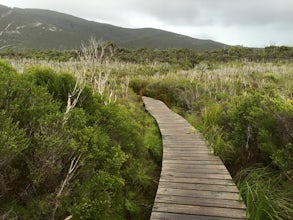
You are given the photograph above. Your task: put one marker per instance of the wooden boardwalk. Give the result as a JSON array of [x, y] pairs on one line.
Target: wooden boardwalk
[[194, 184]]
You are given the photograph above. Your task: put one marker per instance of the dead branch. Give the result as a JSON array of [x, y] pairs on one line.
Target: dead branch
[[72, 169], [71, 104]]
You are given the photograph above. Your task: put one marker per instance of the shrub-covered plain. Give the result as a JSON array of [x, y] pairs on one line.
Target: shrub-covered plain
[[100, 156]]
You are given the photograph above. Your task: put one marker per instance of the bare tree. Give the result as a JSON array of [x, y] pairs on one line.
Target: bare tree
[[95, 51], [93, 54]]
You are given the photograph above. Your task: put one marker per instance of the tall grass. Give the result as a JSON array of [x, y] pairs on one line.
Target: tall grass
[[266, 193]]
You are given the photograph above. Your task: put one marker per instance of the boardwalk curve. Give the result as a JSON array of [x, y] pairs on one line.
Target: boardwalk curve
[[194, 184]]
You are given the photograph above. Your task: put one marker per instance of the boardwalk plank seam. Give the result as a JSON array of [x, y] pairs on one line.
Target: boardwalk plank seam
[[194, 183]]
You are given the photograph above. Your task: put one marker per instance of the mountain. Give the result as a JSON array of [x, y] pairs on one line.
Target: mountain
[[44, 29]]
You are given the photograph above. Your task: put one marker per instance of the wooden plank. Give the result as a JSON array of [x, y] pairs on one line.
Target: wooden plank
[[195, 162], [201, 152], [190, 167], [199, 210], [189, 174], [196, 180], [195, 151], [202, 187], [194, 158], [187, 144], [188, 154], [198, 193], [179, 140], [207, 173], [185, 147], [182, 129], [176, 216], [184, 152], [191, 154], [187, 200]]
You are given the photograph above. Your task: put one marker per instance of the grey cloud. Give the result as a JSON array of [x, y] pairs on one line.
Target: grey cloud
[[224, 12], [179, 12], [217, 16], [254, 13]]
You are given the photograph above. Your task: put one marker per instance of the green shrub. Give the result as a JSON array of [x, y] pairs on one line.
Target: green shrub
[[6, 68], [260, 128], [12, 144], [164, 91], [139, 85], [58, 85]]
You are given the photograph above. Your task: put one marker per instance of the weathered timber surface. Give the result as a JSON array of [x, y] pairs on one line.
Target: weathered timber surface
[[194, 184]]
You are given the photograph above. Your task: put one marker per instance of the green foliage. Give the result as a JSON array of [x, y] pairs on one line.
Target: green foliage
[[25, 102], [184, 58], [114, 164], [6, 68], [139, 85], [101, 196], [151, 141], [55, 55], [12, 138], [271, 76], [58, 85], [211, 116], [168, 91], [12, 143], [259, 128]]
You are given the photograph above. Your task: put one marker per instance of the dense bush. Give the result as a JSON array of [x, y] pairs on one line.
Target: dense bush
[[58, 85], [101, 163], [260, 126]]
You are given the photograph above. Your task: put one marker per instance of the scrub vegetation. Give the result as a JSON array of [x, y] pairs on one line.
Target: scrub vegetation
[[77, 143], [80, 147]]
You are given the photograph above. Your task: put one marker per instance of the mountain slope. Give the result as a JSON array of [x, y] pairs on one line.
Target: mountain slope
[[44, 29]]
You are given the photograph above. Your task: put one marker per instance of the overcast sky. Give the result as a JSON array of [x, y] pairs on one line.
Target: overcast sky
[[236, 22]]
